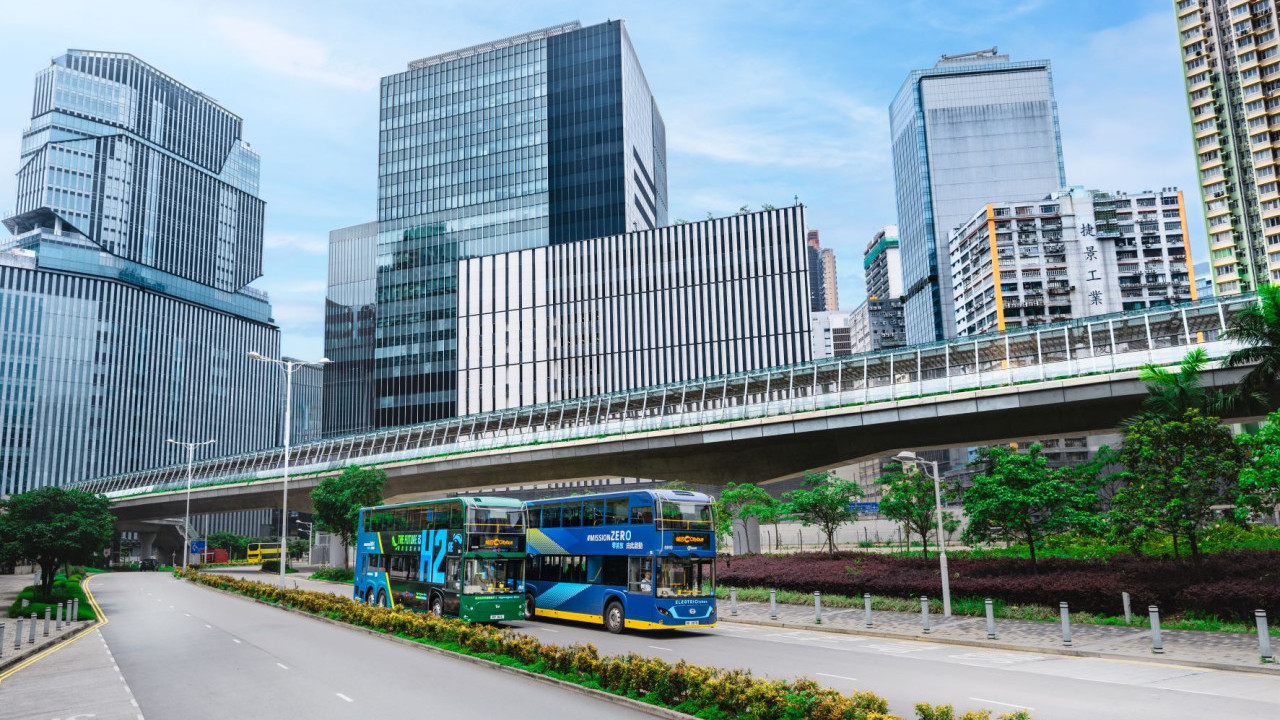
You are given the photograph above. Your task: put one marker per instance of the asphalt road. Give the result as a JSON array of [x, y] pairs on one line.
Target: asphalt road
[[188, 652], [906, 672]]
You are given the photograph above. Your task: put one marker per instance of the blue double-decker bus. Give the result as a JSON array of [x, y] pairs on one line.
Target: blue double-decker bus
[[643, 559]]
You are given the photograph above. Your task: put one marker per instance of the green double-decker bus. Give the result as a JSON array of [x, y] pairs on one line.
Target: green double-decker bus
[[457, 556]]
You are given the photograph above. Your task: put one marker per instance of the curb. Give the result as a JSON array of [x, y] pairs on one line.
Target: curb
[[1270, 670], [546, 679]]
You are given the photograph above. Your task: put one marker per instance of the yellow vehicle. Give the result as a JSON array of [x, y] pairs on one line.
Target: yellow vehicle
[[257, 552]]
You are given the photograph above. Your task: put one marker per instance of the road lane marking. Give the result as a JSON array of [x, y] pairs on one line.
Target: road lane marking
[[655, 647], [997, 702], [842, 677], [187, 614], [102, 621], [344, 697], [208, 626], [236, 640], [283, 666]]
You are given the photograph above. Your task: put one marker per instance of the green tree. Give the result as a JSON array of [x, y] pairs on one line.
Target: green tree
[[1017, 497], [298, 547], [336, 501], [908, 498], [51, 526], [1260, 474], [743, 210], [1257, 327], [1170, 393], [1177, 471], [825, 500], [234, 544], [752, 501]]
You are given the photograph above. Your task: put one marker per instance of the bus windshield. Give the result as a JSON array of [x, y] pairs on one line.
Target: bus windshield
[[492, 575], [677, 515], [505, 520], [685, 577]]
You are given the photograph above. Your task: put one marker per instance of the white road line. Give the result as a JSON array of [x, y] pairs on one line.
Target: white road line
[[187, 614], [283, 666], [208, 626], [842, 677], [344, 697], [997, 702], [548, 630], [655, 647], [237, 640]]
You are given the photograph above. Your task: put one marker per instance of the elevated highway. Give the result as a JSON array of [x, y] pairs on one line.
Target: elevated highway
[[752, 427]]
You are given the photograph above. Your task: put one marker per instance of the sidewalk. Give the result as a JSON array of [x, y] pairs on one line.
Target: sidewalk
[[1223, 651]]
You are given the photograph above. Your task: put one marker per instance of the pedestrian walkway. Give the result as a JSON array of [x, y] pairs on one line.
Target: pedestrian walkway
[[1204, 649], [81, 680]]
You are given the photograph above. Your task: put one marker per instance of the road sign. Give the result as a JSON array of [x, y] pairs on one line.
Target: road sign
[[197, 546], [865, 507]]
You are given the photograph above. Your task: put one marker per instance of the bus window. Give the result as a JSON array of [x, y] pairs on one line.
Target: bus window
[[685, 515], [615, 513], [491, 575], [550, 516], [679, 577], [572, 516], [642, 515], [535, 517], [593, 513], [615, 570], [639, 578]]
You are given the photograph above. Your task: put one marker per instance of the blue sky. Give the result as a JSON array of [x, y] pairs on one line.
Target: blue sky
[[763, 101]]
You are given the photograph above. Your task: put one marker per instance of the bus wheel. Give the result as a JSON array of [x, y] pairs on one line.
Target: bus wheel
[[615, 619], [437, 605], [529, 607], [382, 599], [368, 596]]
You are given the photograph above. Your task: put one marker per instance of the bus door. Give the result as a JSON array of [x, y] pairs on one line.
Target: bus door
[[452, 585], [640, 576]]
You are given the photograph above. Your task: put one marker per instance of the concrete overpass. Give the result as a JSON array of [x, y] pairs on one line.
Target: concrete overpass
[[753, 427]]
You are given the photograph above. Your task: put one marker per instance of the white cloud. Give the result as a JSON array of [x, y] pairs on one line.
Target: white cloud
[[296, 241], [276, 51]]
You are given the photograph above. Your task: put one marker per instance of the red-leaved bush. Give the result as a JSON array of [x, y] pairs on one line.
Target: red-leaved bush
[[1229, 585]]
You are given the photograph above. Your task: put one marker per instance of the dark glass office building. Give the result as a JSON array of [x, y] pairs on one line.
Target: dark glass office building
[[544, 138], [125, 311]]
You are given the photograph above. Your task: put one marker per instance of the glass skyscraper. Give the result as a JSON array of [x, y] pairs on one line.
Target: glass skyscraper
[[972, 129], [544, 138], [125, 316]]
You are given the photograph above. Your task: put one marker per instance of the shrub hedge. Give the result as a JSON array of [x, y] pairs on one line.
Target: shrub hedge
[[1228, 585], [708, 692], [273, 566], [63, 590]]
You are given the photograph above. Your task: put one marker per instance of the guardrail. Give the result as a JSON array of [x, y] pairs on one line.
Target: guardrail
[[1101, 344]]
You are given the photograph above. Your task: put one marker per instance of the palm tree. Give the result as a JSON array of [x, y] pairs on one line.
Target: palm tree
[[1170, 394], [1257, 327]]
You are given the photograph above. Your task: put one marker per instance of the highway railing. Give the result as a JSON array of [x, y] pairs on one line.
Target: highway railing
[[1101, 344]]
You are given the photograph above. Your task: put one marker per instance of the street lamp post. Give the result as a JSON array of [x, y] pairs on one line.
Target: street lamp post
[[289, 366], [186, 523], [916, 461]]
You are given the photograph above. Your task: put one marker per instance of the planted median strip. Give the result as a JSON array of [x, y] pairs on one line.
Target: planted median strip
[[707, 692]]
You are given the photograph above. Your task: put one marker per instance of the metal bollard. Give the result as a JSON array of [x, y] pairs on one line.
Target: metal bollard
[[924, 612], [733, 601], [48, 611], [1128, 612], [17, 635], [1157, 645], [58, 624], [866, 604], [1264, 638], [1066, 623], [817, 607], [75, 608], [1, 639], [31, 632], [773, 604], [991, 620]]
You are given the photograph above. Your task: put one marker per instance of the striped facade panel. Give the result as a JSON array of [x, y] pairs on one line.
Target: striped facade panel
[[95, 374], [628, 311]]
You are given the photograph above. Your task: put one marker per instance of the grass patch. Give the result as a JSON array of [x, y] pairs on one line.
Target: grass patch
[[63, 590], [976, 607], [334, 574]]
